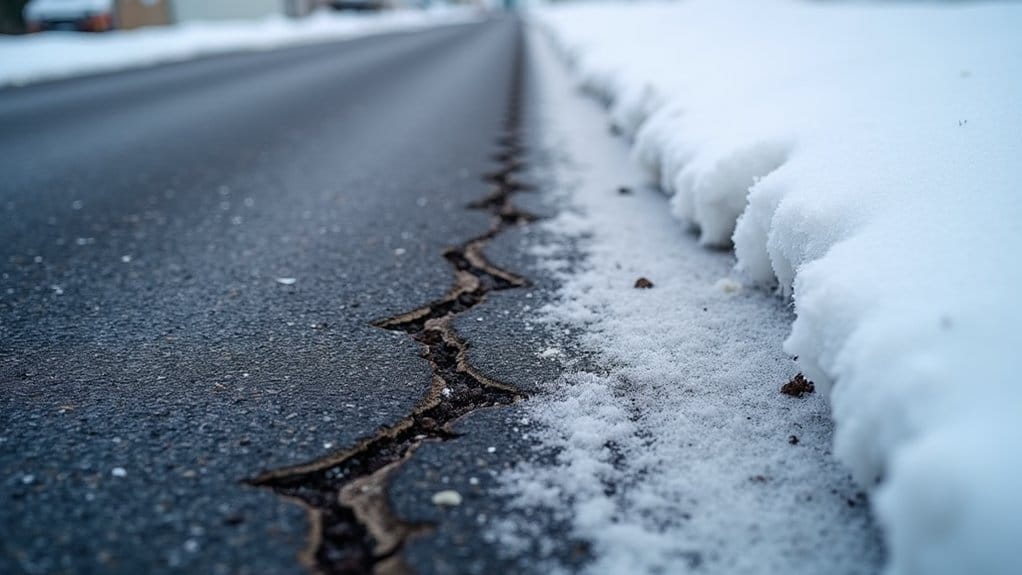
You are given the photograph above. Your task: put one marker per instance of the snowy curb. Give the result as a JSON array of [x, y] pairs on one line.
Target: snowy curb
[[864, 159]]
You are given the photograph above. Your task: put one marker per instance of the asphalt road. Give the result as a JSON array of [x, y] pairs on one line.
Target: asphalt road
[[191, 258]]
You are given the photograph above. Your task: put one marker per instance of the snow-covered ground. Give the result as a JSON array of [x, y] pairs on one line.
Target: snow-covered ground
[[865, 159], [52, 55], [683, 454]]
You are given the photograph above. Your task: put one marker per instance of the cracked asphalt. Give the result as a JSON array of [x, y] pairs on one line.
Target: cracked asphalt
[[192, 255]]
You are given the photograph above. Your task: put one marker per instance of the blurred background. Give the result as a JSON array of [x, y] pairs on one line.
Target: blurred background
[[26, 16]]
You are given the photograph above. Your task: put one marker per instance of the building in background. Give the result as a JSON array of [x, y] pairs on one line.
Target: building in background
[[138, 13], [299, 8], [192, 10]]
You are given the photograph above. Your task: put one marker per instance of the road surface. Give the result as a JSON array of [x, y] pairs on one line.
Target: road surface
[[193, 257]]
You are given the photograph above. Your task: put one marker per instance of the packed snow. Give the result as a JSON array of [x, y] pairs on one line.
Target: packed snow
[[864, 158], [53, 55], [677, 452]]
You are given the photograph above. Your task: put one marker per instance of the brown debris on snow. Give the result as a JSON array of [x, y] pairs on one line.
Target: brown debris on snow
[[643, 283], [798, 386]]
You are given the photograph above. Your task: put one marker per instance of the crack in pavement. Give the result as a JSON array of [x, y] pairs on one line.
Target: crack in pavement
[[352, 525]]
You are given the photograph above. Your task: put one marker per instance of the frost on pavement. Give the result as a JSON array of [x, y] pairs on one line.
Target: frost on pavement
[[52, 55], [864, 159], [682, 454]]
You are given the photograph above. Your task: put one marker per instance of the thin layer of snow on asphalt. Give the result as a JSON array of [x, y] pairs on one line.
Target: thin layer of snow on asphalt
[[54, 55], [682, 455], [863, 157]]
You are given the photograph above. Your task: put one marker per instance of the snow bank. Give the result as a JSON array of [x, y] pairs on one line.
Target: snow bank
[[865, 158], [676, 452], [52, 55]]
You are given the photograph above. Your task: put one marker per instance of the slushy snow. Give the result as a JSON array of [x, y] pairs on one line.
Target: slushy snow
[[865, 159], [674, 451], [53, 55]]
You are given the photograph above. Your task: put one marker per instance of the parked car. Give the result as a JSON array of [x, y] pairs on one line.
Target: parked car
[[80, 15], [358, 5]]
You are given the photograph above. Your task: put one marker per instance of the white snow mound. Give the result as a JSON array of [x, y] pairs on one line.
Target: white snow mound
[[866, 158]]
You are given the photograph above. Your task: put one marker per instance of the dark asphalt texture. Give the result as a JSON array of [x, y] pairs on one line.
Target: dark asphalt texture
[[150, 360]]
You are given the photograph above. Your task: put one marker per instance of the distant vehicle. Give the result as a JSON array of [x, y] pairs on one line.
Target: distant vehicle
[[79, 15], [357, 5]]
